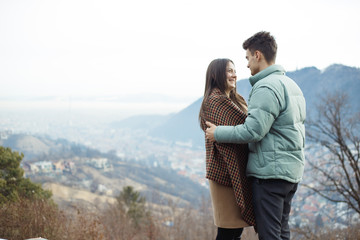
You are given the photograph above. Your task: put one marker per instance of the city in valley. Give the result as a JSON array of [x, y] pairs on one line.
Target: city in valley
[[137, 146]]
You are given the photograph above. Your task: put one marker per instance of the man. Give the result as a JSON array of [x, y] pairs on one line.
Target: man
[[275, 132]]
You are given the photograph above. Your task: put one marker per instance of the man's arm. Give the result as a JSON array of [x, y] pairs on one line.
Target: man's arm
[[264, 107]]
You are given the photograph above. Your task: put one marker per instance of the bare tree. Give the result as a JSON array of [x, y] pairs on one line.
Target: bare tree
[[334, 151]]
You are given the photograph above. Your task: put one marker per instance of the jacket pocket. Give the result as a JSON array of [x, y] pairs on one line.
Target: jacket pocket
[[259, 154], [303, 136]]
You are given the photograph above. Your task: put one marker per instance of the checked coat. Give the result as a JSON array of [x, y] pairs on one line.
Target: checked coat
[[226, 163]]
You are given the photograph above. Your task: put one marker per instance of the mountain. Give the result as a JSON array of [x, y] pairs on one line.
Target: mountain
[[141, 121], [316, 84], [28, 144], [184, 126]]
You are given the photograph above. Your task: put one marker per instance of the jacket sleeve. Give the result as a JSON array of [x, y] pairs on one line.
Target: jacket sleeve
[[264, 107]]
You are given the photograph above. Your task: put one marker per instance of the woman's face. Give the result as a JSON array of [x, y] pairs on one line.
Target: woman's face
[[230, 77]]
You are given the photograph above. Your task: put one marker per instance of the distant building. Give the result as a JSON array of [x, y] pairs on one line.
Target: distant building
[[30, 167], [104, 190], [69, 166], [5, 134], [64, 166], [38, 167], [59, 166], [44, 166], [101, 163]]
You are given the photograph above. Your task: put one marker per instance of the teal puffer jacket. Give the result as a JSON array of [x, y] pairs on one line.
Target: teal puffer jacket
[[274, 127]]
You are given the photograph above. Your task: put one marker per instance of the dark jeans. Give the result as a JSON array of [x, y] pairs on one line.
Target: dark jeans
[[229, 233], [272, 204]]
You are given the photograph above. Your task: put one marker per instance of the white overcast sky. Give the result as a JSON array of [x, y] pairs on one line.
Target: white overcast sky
[[105, 47]]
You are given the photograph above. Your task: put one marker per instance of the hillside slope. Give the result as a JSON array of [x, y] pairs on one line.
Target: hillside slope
[[147, 180]]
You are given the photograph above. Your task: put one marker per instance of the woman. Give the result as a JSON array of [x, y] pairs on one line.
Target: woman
[[226, 163]]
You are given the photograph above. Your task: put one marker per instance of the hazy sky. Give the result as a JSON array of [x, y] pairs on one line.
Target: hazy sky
[[104, 47]]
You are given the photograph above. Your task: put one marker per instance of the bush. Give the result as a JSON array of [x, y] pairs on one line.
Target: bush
[[31, 218]]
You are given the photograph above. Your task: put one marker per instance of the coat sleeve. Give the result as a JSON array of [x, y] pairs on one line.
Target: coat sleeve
[[264, 107]]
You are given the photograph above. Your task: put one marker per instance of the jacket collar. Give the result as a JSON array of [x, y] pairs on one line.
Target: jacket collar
[[273, 69]]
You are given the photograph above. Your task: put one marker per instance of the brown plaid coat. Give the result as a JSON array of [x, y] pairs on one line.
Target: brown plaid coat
[[226, 163]]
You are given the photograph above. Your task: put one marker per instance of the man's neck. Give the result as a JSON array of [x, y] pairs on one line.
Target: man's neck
[[265, 65]]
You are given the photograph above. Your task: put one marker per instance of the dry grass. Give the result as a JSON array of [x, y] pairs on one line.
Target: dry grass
[[39, 218], [25, 219], [307, 233]]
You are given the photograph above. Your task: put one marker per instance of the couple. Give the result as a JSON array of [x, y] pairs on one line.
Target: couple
[[255, 161]]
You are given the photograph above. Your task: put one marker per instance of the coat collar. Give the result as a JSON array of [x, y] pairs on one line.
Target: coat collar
[[216, 91], [273, 69]]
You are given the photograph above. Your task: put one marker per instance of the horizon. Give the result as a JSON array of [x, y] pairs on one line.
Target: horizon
[[134, 97], [110, 107]]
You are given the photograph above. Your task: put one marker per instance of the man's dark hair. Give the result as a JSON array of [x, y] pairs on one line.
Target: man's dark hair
[[263, 42]]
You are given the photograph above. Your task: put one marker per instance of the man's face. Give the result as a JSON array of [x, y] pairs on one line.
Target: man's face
[[253, 64]]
